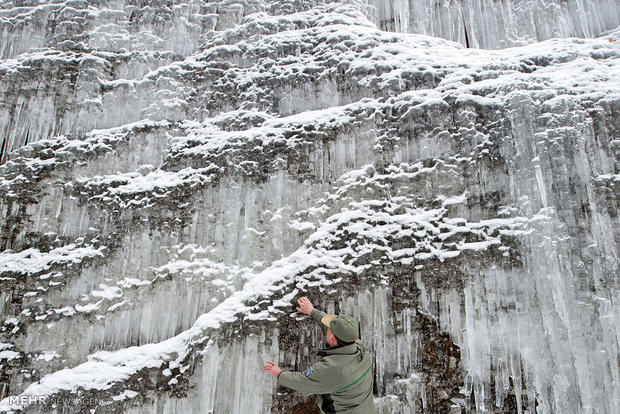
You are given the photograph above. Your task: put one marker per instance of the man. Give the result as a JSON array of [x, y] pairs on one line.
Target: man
[[342, 379]]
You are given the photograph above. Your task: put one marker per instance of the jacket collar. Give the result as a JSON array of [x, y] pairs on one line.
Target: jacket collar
[[350, 349]]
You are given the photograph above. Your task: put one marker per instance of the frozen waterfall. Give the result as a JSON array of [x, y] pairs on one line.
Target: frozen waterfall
[[496, 23], [176, 173]]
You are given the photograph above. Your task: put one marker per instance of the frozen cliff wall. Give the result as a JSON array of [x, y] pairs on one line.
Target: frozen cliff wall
[[497, 23], [71, 66], [462, 203]]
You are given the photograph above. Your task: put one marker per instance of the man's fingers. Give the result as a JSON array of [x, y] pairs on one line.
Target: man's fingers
[[304, 305]]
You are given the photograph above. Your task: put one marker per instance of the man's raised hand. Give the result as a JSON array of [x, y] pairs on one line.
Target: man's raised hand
[[305, 306], [272, 368]]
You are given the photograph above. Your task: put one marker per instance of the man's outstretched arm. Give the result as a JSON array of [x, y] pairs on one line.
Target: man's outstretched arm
[[305, 306], [315, 380]]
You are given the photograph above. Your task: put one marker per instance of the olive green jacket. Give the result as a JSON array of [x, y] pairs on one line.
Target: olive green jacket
[[344, 375]]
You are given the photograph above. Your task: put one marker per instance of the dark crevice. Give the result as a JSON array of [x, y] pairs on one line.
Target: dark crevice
[[466, 35], [3, 149]]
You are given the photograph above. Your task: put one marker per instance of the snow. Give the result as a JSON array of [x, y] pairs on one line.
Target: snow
[[127, 394], [107, 292], [32, 260], [9, 355], [48, 356]]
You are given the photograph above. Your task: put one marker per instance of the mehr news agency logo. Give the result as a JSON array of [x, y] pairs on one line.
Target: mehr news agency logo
[[25, 400]]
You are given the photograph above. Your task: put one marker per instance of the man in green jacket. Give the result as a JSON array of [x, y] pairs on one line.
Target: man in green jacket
[[342, 379]]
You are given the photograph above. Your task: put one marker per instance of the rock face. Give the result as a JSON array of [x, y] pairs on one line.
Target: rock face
[[177, 173], [498, 23]]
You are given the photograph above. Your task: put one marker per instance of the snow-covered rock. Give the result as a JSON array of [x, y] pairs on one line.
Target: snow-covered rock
[[176, 173]]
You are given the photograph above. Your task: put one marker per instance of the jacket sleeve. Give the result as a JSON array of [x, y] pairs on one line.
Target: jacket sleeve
[[315, 380], [317, 315]]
